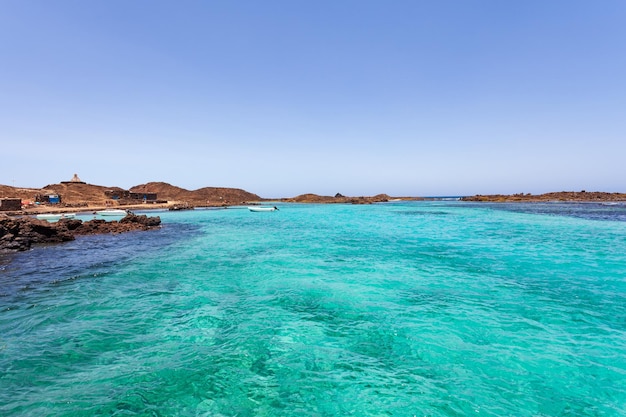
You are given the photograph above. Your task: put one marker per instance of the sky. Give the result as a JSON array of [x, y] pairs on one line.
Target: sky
[[281, 98]]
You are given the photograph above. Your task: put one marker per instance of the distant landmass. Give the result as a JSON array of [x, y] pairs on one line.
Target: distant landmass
[[79, 194], [75, 194], [202, 196], [339, 198], [554, 196]]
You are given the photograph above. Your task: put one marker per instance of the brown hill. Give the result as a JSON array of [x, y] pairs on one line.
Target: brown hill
[[314, 198], [7, 191], [200, 197], [71, 193], [164, 191], [75, 194], [80, 193]]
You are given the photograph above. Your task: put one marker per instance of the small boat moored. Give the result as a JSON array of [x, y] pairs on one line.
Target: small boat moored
[[112, 212], [55, 216], [263, 208]]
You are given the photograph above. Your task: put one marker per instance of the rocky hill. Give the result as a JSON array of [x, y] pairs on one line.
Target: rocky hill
[[7, 191], [202, 196], [338, 199], [77, 193], [84, 195]]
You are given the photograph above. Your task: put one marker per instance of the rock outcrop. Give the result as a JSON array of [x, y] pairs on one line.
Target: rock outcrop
[[21, 233], [207, 196], [337, 199]]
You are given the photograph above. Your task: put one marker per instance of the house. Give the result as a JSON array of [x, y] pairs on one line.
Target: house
[[116, 194], [143, 196], [10, 204], [48, 198]]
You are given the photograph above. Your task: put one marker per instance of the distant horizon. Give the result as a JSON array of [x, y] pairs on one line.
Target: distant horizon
[[324, 194]]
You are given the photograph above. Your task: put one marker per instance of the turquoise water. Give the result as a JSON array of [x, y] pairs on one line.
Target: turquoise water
[[403, 309]]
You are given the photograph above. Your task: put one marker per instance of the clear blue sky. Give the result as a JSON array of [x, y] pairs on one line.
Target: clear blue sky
[[287, 97]]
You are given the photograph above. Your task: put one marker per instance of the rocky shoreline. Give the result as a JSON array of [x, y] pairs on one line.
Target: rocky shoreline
[[21, 233], [341, 199], [561, 196]]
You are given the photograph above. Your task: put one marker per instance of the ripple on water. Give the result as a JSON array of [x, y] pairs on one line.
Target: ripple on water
[[445, 309]]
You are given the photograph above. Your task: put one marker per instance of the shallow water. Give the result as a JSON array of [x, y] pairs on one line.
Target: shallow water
[[400, 309]]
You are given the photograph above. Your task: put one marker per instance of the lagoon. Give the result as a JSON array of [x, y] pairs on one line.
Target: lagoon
[[436, 308]]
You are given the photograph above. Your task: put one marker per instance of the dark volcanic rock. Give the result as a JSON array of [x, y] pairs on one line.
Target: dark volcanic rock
[[143, 220], [129, 223], [19, 234]]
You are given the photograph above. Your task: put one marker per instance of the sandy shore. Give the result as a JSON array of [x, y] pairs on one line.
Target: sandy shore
[[46, 209], [90, 208]]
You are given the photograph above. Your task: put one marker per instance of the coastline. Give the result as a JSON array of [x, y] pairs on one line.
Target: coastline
[[19, 234], [560, 196], [80, 197], [91, 208]]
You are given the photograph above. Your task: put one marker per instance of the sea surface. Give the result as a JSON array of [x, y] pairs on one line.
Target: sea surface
[[436, 308]]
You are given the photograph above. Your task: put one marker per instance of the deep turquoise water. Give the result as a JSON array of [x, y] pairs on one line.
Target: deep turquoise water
[[403, 309]]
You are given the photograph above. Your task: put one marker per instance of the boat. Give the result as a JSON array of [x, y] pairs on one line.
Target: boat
[[56, 216], [48, 216], [112, 212], [263, 208]]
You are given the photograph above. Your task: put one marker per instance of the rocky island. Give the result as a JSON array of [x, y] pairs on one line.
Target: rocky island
[[337, 199], [562, 196]]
